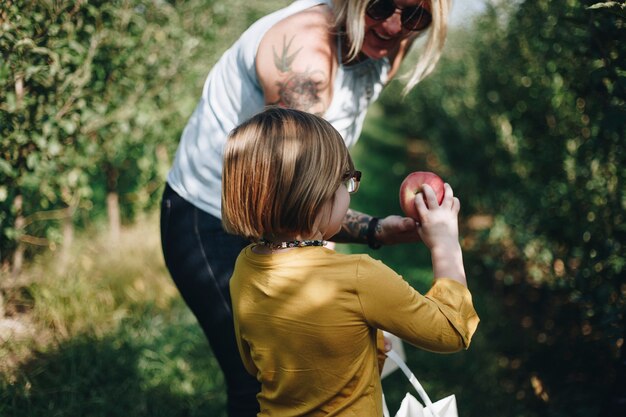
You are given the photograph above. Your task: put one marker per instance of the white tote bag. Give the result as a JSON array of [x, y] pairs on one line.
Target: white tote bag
[[410, 407], [398, 347]]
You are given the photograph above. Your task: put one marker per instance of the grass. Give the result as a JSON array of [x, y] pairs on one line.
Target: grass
[[106, 336]]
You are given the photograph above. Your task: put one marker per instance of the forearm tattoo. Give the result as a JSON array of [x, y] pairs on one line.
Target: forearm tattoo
[[354, 228], [299, 89]]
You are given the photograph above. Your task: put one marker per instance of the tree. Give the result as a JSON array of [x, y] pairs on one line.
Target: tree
[[528, 113], [93, 97]]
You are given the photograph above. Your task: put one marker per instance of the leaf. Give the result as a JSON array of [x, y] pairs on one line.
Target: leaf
[[618, 8], [6, 168]]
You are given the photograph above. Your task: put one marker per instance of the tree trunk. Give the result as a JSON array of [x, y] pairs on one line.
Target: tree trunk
[[163, 160], [113, 212], [18, 255], [113, 204], [68, 239]]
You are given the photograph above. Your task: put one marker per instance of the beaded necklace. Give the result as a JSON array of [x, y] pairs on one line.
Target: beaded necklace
[[292, 243]]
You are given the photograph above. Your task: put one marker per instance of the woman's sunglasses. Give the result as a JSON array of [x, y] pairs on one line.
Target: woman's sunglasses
[[352, 180], [413, 18]]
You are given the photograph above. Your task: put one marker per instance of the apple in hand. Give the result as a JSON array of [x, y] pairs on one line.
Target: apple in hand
[[412, 185]]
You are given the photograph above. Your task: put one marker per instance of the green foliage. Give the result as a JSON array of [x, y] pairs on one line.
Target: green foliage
[[107, 336], [527, 110], [536, 140], [93, 97], [83, 97], [524, 117]]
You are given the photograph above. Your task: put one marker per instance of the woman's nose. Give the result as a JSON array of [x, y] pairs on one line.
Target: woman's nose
[[393, 24]]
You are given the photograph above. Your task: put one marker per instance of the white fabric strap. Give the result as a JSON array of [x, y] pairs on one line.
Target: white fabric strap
[[413, 380]]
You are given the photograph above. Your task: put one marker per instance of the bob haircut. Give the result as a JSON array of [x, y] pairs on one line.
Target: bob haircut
[[280, 167], [351, 15]]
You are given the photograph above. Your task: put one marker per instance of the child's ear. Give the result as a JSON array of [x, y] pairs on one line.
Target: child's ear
[[323, 217]]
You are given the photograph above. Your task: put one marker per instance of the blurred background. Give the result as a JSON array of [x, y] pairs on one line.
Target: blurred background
[[525, 117]]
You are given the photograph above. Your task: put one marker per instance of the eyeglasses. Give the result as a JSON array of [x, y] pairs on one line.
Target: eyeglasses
[[413, 18], [351, 180]]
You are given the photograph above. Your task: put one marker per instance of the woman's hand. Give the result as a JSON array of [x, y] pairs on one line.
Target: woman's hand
[[397, 229], [437, 225]]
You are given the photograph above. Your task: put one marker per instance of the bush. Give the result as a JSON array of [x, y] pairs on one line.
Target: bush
[[527, 110]]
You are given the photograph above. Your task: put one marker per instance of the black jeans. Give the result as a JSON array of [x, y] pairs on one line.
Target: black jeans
[[200, 256]]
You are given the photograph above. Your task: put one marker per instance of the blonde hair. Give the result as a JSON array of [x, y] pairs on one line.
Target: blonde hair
[[280, 167], [351, 15]]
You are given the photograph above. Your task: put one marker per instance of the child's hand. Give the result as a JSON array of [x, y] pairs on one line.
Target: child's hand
[[439, 230], [438, 224]]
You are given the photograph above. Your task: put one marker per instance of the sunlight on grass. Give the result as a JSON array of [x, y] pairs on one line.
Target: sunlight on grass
[[105, 335], [103, 284]]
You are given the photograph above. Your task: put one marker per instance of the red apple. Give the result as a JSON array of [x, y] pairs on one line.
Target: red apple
[[412, 185]]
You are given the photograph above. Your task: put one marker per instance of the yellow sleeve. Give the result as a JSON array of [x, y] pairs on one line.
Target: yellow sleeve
[[442, 321], [455, 302]]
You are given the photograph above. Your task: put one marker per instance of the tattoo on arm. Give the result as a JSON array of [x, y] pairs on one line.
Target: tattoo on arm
[[299, 89], [354, 228]]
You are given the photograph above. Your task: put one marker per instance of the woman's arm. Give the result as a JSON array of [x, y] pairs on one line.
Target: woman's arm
[[296, 62], [359, 228]]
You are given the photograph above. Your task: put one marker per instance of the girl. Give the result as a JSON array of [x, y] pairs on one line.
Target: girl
[[306, 317]]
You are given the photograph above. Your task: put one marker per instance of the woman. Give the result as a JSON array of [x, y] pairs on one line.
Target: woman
[[331, 58]]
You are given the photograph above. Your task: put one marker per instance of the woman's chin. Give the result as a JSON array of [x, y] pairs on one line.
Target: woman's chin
[[375, 52]]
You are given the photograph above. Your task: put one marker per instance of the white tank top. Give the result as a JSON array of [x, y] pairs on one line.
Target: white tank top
[[232, 94]]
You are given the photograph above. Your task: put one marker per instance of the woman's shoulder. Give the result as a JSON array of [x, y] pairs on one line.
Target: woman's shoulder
[[295, 60], [319, 17], [312, 27]]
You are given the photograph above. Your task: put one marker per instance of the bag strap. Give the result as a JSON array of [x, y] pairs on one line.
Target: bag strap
[[413, 380]]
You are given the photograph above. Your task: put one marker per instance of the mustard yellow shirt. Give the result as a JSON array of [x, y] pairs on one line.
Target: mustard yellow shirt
[[306, 320]]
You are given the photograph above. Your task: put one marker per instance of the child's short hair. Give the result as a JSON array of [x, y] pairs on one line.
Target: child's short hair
[[280, 167]]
